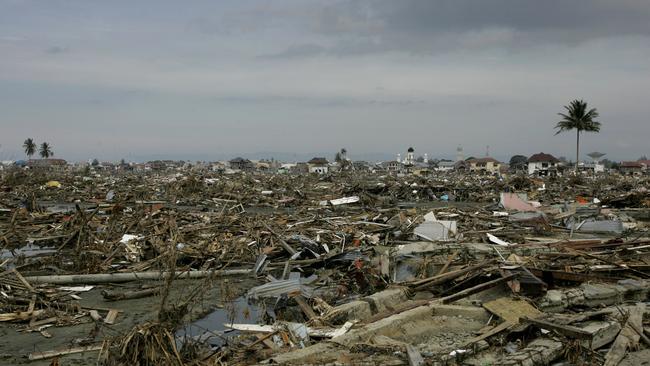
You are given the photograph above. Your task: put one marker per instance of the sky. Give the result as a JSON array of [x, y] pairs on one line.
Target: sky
[[209, 80]]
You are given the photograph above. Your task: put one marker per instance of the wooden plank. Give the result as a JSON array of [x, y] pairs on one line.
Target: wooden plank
[[312, 332], [264, 338], [67, 351], [448, 262], [567, 330], [445, 277], [511, 310], [111, 316], [311, 315], [20, 315], [628, 338], [476, 289]]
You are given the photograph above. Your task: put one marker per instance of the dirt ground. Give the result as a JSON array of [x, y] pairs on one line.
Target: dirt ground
[[210, 309]]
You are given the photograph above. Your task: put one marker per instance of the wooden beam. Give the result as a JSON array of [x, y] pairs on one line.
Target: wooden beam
[[567, 330], [448, 262], [476, 289], [67, 351]]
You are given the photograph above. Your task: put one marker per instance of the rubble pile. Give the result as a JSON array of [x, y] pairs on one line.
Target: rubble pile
[[341, 268]]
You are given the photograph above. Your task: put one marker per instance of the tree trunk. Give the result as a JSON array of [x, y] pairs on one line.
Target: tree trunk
[[577, 149], [95, 278]]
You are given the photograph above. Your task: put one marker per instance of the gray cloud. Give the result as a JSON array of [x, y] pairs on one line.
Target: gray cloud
[[234, 76], [424, 26]]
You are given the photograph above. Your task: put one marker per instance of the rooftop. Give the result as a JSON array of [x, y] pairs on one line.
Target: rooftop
[[542, 157]]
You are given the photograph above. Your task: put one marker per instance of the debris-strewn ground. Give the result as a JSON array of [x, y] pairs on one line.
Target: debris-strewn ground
[[206, 268]]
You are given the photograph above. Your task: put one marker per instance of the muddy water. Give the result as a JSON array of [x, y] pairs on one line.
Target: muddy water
[[213, 328]]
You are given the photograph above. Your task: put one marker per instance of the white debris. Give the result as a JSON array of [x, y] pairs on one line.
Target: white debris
[[496, 240]]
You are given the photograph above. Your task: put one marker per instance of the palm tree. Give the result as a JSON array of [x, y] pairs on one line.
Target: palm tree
[[46, 150], [580, 119], [30, 147]]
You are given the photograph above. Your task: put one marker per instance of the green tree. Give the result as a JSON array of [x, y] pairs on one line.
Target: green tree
[[46, 150], [518, 162], [578, 118], [30, 147]]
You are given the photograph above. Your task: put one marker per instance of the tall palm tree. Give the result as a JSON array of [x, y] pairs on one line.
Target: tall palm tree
[[46, 150], [30, 147], [580, 119]]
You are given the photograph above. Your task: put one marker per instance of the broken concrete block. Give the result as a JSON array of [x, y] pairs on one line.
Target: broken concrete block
[[600, 294], [603, 332], [554, 301]]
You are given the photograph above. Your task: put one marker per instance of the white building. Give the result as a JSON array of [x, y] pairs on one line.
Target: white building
[[542, 164], [410, 157], [318, 165]]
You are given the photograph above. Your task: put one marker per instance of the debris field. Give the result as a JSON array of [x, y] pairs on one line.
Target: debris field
[[205, 268]]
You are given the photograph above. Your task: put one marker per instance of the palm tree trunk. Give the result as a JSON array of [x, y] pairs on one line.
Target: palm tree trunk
[[577, 149]]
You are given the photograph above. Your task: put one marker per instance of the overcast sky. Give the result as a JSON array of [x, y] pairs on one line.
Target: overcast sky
[[212, 79]]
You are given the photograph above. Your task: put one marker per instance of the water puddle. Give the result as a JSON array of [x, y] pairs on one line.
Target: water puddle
[[211, 328]]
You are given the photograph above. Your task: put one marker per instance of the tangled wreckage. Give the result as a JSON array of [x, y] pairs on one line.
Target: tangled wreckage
[[251, 268]]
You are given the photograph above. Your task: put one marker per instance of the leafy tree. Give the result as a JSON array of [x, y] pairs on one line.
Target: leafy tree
[[518, 162], [420, 159], [578, 118], [46, 150], [95, 162], [30, 147]]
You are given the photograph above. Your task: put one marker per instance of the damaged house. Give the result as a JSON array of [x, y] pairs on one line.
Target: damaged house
[[542, 164], [318, 165], [241, 164]]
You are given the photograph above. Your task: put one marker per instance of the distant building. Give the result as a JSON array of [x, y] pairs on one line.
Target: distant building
[[318, 165], [241, 164], [542, 164], [632, 168], [485, 165], [446, 166], [410, 157], [393, 166], [362, 166], [591, 167]]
